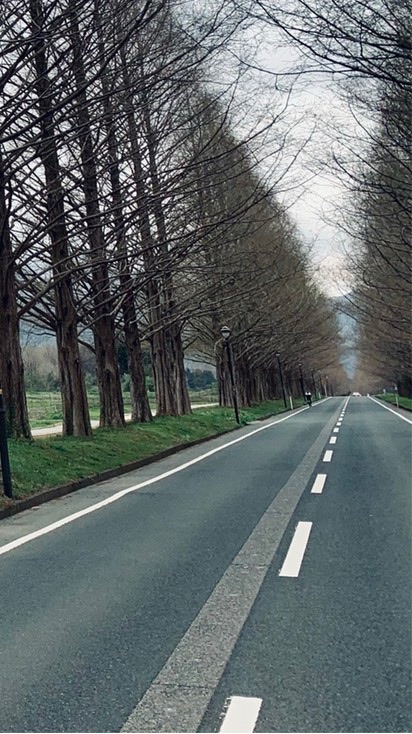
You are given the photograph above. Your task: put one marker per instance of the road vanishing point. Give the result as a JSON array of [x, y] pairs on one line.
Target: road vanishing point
[[258, 582]]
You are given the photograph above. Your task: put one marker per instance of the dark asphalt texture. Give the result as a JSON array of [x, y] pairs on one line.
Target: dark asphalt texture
[[330, 651], [91, 612]]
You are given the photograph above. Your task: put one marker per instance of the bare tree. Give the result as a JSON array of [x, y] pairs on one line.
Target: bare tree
[[11, 363], [76, 420]]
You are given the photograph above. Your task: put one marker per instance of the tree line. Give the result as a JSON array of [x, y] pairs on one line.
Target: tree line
[[135, 212], [366, 47]]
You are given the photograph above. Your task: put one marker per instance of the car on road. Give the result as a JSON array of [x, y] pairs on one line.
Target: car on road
[[356, 394]]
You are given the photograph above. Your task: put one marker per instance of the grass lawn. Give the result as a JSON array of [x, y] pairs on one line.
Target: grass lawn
[[391, 398], [45, 408], [53, 461]]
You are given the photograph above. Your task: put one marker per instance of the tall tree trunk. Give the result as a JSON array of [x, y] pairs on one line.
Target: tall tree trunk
[[171, 325], [11, 363], [140, 402], [163, 372], [76, 419], [107, 368]]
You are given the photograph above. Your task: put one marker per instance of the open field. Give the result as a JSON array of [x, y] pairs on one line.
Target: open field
[[45, 407], [50, 462], [391, 398]]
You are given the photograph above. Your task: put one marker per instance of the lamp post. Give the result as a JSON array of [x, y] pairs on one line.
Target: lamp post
[[326, 386], [315, 394], [4, 451], [225, 331], [281, 380], [302, 386]]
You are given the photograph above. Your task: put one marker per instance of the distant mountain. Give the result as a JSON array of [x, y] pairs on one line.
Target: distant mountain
[[194, 363], [33, 335]]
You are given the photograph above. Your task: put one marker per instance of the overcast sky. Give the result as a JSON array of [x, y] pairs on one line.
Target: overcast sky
[[312, 191]]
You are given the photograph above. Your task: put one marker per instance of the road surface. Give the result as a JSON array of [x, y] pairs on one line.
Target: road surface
[[259, 582]]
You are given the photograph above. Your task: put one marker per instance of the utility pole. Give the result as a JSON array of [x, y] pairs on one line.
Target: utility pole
[[4, 451]]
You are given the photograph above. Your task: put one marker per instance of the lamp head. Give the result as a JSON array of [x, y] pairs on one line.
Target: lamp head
[[225, 332]]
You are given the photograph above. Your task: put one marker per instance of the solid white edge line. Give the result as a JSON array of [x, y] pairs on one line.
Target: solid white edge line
[[402, 417], [241, 715], [328, 455], [294, 557], [333, 439], [109, 500], [319, 484]]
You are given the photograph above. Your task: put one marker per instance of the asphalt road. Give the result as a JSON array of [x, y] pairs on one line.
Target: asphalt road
[[215, 591]]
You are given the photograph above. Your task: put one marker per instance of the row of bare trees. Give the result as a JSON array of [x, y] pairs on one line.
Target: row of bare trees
[[383, 295], [131, 212], [366, 48]]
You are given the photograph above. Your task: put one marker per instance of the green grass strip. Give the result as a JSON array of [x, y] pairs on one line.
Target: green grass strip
[[391, 398], [55, 461]]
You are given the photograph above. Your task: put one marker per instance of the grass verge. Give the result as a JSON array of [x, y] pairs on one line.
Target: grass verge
[[45, 408], [55, 461], [391, 398]]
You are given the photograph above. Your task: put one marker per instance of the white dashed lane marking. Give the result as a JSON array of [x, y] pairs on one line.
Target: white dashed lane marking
[[318, 484], [241, 715], [294, 557]]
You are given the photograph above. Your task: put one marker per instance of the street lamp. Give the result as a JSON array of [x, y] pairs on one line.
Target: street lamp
[[225, 332], [281, 380], [314, 385], [4, 451], [302, 386]]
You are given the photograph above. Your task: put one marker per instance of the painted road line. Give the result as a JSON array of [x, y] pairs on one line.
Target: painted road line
[[402, 417], [333, 439], [339, 423], [294, 557], [322, 400], [177, 699], [318, 484], [336, 430], [241, 715], [7, 547], [328, 455]]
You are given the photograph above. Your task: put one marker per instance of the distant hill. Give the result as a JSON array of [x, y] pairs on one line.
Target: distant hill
[[34, 335]]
